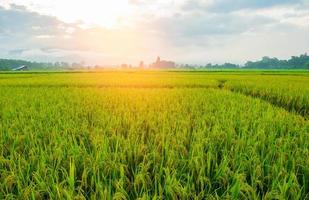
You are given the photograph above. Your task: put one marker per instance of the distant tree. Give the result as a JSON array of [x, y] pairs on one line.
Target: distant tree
[[209, 65], [64, 65], [295, 62], [57, 65], [230, 66], [76, 65]]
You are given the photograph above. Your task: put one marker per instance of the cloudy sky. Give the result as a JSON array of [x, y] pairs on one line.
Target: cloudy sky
[[126, 31]]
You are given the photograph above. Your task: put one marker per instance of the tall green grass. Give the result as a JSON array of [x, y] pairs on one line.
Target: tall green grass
[[73, 142], [289, 92]]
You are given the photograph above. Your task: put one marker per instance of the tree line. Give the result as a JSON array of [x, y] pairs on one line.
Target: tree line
[[295, 62], [9, 64]]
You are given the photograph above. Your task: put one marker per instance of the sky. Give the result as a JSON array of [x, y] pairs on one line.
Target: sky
[[111, 32]]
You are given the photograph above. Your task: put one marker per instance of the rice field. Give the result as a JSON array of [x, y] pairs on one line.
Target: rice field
[[154, 135]]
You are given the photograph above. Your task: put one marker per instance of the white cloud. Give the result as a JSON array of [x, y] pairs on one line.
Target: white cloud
[[193, 31]]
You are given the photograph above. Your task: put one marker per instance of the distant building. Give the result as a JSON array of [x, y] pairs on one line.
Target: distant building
[[163, 64], [141, 65], [21, 68], [124, 66]]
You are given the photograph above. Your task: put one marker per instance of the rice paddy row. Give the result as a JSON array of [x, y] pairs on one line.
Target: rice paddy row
[[151, 142]]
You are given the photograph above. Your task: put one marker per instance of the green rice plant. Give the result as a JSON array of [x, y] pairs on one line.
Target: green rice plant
[[163, 135]]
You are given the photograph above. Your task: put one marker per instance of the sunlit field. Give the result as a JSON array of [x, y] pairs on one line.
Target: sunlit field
[[154, 135]]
